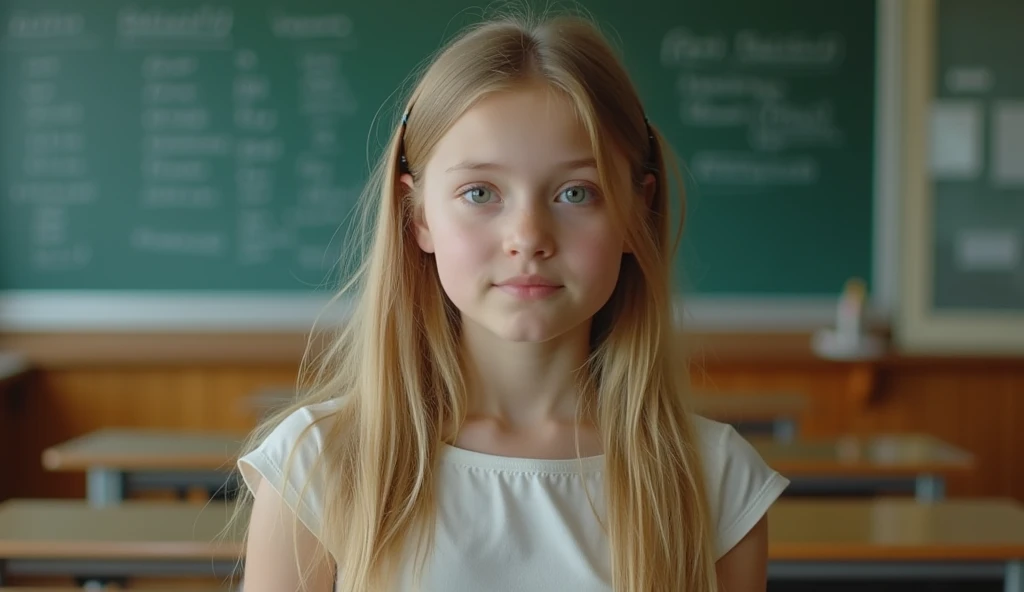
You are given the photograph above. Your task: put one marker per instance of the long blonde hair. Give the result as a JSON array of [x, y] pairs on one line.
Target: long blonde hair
[[394, 363]]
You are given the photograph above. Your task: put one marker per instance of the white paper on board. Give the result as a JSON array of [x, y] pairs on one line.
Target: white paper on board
[[969, 79], [988, 250], [1008, 144], [956, 139]]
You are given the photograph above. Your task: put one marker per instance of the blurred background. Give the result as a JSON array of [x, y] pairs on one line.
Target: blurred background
[[177, 182]]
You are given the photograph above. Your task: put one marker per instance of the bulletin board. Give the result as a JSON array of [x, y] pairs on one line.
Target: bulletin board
[[963, 264]]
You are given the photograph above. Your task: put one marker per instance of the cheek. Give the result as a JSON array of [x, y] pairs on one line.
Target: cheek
[[461, 250], [597, 257]]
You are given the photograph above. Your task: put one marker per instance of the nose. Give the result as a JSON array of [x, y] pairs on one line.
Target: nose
[[529, 232]]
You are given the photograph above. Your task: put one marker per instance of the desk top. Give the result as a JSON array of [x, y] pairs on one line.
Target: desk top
[[267, 399], [864, 456], [145, 449], [900, 529], [134, 589], [71, 529], [849, 456], [806, 530]]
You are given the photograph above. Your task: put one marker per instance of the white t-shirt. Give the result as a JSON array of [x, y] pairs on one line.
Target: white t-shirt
[[514, 524]]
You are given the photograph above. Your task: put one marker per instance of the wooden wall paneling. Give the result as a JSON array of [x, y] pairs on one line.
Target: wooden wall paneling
[[73, 401], [7, 473], [1013, 442], [977, 404], [16, 380], [827, 411], [971, 408]]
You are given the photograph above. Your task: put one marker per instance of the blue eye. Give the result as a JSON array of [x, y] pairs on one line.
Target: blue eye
[[576, 194], [478, 195]]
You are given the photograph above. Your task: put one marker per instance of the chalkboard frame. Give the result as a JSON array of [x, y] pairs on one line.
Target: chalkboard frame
[[37, 311], [920, 328]]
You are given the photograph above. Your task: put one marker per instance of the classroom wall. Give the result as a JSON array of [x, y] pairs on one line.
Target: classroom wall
[[191, 382], [6, 442], [13, 381], [974, 403]]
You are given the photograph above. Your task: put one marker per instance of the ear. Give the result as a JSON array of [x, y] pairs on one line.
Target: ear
[[423, 236], [647, 189], [650, 185]]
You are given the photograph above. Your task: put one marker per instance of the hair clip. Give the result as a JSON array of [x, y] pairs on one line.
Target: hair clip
[[652, 148], [403, 163]]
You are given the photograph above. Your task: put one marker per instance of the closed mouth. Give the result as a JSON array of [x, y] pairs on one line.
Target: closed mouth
[[529, 281]]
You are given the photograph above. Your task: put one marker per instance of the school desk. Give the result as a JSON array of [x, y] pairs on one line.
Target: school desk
[[878, 464], [896, 539], [134, 539], [119, 460], [133, 589], [879, 539], [267, 400], [753, 414]]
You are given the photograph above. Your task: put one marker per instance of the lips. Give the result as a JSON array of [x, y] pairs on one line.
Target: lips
[[529, 287], [530, 280]]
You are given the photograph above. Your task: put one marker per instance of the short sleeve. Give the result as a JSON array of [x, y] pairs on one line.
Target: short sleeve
[[287, 460], [741, 486]]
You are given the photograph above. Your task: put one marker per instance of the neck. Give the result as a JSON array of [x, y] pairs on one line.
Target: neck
[[523, 384]]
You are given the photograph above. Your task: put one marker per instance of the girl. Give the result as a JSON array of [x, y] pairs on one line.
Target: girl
[[504, 409]]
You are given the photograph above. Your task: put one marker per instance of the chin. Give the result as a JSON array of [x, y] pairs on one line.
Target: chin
[[533, 330], [519, 335], [528, 326]]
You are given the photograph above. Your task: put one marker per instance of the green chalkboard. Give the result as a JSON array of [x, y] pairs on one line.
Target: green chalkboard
[[977, 162], [220, 145]]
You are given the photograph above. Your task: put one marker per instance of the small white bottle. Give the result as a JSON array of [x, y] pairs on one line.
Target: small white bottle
[[849, 339], [850, 313]]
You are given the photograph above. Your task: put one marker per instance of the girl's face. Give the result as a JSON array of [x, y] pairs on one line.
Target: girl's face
[[518, 223]]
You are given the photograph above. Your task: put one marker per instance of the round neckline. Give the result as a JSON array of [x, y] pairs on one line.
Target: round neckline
[[515, 464]]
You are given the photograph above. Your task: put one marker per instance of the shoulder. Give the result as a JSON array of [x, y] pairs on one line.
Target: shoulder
[[740, 485], [287, 458]]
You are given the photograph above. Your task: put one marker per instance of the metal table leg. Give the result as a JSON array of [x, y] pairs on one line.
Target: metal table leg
[[104, 487], [92, 584], [784, 429], [1014, 579], [929, 488]]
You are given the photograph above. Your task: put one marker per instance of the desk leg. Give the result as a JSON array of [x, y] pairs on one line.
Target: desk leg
[[784, 429], [929, 488], [104, 487], [1014, 579]]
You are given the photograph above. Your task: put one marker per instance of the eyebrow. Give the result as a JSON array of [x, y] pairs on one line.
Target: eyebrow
[[569, 165]]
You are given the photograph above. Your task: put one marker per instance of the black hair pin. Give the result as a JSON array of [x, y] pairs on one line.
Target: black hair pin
[[402, 161], [652, 148]]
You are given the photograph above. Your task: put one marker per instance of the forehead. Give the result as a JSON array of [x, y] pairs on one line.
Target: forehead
[[524, 128]]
